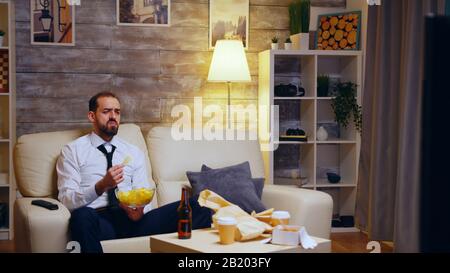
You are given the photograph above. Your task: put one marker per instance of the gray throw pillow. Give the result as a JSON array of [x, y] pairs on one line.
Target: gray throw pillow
[[233, 183], [258, 182]]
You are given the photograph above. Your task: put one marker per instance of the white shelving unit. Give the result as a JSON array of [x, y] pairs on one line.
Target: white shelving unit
[[7, 118], [304, 164]]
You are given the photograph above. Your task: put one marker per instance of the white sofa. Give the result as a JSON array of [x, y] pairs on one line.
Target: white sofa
[[41, 230]]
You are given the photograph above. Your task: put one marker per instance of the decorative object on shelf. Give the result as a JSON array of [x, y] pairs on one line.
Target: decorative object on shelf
[[333, 178], [299, 18], [345, 105], [228, 20], [301, 92], [339, 31], [295, 132], [322, 134], [346, 221], [275, 43], [2, 35], [229, 64], [323, 84], [143, 12], [288, 44], [52, 22], [4, 71], [289, 90], [294, 135]]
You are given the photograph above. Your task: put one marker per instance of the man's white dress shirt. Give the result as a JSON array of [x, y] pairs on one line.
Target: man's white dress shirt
[[81, 165]]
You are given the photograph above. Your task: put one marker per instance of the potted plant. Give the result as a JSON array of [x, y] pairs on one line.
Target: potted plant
[[275, 42], [345, 105], [323, 84], [2, 34], [299, 18], [288, 44]]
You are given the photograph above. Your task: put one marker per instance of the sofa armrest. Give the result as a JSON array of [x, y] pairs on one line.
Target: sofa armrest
[[312, 209], [38, 229]]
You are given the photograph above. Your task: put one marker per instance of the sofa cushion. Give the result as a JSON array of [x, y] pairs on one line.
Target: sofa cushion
[[257, 182], [35, 158], [171, 158], [170, 191], [234, 183]]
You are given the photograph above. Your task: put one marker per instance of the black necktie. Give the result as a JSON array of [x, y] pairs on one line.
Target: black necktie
[[113, 202]]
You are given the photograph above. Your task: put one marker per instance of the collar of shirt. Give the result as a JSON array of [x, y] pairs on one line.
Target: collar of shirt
[[97, 141]]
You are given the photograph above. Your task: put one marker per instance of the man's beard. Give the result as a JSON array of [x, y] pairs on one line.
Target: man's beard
[[109, 132]]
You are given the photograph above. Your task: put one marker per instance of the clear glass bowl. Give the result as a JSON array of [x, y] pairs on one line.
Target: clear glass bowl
[[138, 197]]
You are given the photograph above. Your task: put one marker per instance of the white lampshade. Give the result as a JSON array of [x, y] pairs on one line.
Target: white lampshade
[[229, 63]]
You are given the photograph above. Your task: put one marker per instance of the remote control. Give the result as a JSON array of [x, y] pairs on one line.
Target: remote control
[[44, 204]]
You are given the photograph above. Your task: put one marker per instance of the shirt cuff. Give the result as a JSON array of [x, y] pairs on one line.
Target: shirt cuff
[[147, 208], [90, 194]]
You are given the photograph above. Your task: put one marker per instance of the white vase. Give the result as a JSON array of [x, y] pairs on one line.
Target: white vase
[[300, 41], [274, 46], [287, 46], [1, 40], [304, 41], [322, 134]]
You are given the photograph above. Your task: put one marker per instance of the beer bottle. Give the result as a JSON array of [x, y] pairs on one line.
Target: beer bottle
[[184, 216]]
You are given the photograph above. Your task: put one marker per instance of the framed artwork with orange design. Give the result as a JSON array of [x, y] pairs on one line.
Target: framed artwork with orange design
[[339, 31]]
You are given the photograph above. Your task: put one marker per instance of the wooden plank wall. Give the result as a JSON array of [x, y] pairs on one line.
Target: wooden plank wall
[[150, 68]]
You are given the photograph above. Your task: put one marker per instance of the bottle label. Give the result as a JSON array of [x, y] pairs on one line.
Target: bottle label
[[184, 228]]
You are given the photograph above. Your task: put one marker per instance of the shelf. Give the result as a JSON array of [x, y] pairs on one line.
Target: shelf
[[293, 98], [325, 98], [293, 142], [7, 115], [312, 159], [317, 52], [292, 182], [337, 141], [323, 183], [344, 229]]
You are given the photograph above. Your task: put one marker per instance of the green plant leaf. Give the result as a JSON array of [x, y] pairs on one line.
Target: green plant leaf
[[345, 105]]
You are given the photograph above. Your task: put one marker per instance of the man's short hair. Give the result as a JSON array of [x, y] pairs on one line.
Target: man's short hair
[[93, 102]]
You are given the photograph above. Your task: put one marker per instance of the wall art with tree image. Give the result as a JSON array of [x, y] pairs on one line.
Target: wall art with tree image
[[228, 19], [339, 31]]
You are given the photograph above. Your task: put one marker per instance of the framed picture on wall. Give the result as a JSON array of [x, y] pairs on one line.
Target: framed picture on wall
[[143, 12], [228, 19], [52, 22], [339, 31]]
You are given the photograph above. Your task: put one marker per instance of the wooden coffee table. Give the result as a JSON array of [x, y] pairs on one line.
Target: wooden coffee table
[[207, 241]]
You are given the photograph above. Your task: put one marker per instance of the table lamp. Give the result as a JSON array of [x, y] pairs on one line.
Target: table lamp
[[229, 64]]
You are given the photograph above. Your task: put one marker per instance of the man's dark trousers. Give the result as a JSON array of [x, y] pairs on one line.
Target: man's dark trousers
[[89, 226]]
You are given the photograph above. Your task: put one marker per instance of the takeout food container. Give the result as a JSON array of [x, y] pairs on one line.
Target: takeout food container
[[286, 235], [264, 218]]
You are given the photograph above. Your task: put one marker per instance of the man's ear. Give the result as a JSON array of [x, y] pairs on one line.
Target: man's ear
[[91, 116]]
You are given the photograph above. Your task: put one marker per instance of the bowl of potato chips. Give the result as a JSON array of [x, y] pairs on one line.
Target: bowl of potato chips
[[138, 197]]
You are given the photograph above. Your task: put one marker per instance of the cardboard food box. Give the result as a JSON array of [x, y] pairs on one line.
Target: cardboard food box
[[286, 235]]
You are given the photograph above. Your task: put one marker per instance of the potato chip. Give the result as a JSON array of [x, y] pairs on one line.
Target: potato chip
[[127, 160], [136, 197]]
